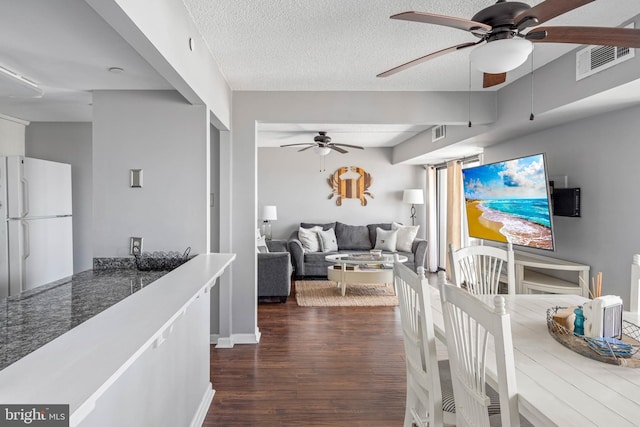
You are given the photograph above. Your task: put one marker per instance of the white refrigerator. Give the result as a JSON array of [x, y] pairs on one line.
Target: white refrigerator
[[36, 232]]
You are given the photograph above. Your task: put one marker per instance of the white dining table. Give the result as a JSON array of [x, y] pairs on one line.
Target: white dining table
[[556, 386]]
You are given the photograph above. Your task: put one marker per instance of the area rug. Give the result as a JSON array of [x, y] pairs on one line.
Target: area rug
[[324, 293]]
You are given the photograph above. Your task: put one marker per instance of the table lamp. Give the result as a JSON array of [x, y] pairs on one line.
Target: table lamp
[[413, 196], [269, 213]]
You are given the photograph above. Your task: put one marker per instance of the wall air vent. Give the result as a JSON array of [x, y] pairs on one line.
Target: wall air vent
[[438, 133], [593, 59]]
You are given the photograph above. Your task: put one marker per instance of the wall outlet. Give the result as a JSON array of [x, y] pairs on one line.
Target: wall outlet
[[135, 245]]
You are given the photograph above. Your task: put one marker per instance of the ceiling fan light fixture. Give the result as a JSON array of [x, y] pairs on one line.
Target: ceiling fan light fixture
[[321, 151], [500, 56]]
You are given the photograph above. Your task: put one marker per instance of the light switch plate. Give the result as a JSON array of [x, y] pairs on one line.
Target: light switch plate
[[135, 245], [136, 178]]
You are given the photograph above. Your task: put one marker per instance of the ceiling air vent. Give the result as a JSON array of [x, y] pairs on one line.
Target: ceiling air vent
[[438, 133], [593, 59]]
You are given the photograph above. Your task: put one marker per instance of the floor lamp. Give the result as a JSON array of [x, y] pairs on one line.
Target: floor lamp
[[413, 196]]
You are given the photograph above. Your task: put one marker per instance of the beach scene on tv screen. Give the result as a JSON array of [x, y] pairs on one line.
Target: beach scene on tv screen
[[507, 202]]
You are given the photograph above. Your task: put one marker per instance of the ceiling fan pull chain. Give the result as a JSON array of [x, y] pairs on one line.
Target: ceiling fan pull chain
[[531, 116], [469, 93]]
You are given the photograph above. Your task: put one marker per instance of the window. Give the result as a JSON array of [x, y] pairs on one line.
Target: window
[[441, 209]]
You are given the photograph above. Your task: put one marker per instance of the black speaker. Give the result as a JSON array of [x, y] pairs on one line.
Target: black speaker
[[566, 202]]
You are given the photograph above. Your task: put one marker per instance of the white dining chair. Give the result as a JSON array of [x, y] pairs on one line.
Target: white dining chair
[[634, 307], [424, 401], [469, 324], [482, 268]]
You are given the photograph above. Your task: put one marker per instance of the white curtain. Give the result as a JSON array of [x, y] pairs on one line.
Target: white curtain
[[454, 207], [432, 220]]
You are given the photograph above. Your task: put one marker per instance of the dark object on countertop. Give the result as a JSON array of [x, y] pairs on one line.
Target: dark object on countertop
[[161, 261]]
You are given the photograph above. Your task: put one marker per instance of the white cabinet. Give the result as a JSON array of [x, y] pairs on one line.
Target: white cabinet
[[539, 273]]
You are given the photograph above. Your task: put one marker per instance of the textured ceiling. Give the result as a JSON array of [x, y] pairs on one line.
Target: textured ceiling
[[285, 45], [343, 44]]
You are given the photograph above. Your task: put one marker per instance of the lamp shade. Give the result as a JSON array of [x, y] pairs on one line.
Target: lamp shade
[[413, 196], [500, 56], [269, 213]]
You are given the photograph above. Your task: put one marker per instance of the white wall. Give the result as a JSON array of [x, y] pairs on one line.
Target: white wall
[[70, 143], [161, 36], [292, 181], [600, 155], [158, 132], [11, 138]]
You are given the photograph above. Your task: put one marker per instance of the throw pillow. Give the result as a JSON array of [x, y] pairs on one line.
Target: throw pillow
[[406, 235], [372, 230], [386, 239], [354, 237], [309, 238], [326, 226], [328, 241]]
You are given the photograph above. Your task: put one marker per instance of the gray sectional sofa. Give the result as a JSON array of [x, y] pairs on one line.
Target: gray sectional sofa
[[274, 272], [350, 239]]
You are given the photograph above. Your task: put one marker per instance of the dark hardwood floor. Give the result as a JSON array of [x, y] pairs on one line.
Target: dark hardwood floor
[[314, 366]]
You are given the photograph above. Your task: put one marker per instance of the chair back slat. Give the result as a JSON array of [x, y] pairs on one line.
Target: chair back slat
[[481, 268], [424, 394], [634, 307], [471, 327]]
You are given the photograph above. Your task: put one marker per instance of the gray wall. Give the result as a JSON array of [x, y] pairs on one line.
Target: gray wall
[[293, 182], [158, 132], [70, 143], [214, 244], [600, 155]]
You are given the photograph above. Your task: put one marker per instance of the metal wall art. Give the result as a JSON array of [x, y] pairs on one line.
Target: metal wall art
[[350, 182]]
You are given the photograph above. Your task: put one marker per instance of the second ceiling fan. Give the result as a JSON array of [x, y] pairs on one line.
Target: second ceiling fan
[[500, 27], [322, 145]]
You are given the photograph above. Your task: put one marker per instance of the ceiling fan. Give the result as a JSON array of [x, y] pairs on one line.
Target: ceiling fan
[[322, 145], [502, 44]]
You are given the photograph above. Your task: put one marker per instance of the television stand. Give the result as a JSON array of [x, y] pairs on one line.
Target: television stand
[[541, 273]]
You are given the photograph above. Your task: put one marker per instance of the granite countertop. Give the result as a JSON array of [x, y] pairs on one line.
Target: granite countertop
[[32, 319]]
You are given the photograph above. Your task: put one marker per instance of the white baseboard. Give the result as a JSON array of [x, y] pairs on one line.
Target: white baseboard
[[201, 413], [229, 342], [223, 342], [246, 338]]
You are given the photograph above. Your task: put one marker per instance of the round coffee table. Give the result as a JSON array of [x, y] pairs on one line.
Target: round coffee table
[[362, 268]]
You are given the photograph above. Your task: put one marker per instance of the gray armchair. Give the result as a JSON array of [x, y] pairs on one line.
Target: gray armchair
[[274, 271]]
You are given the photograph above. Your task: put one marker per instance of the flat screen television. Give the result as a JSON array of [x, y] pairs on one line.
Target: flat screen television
[[509, 201]]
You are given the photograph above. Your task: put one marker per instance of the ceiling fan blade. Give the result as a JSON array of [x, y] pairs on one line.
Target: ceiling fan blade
[[425, 58], [298, 144], [306, 148], [545, 11], [447, 21], [338, 149], [598, 36], [489, 80], [349, 145]]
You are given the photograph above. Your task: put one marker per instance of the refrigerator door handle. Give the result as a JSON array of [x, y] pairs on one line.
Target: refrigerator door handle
[[25, 253], [26, 238], [25, 196]]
